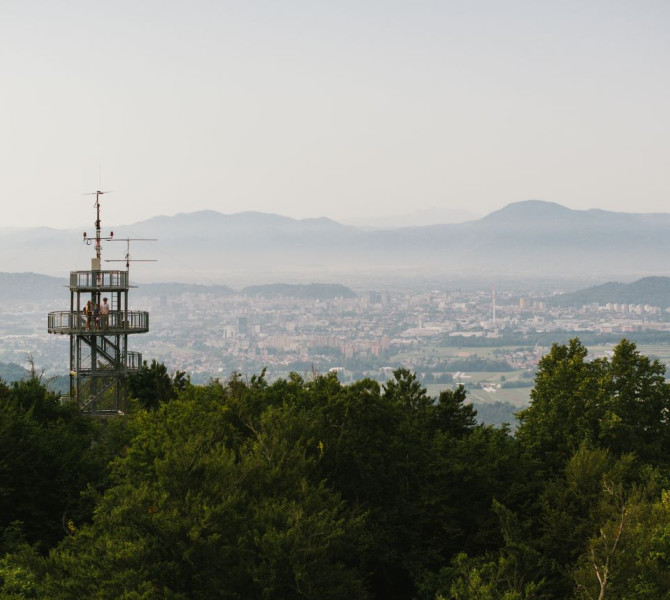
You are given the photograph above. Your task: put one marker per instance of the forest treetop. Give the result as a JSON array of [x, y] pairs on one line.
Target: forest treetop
[[308, 488]]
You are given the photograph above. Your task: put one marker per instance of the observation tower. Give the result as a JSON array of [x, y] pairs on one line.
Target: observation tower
[[99, 357]]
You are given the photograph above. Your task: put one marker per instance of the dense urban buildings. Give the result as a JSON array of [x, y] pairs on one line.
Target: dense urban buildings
[[445, 336]]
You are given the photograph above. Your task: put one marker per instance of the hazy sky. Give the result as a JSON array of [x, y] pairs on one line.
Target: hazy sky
[[338, 109]]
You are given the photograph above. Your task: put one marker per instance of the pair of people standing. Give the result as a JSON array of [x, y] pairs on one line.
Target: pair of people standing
[[96, 313]]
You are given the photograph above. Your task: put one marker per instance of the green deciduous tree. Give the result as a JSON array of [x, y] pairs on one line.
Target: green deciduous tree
[[153, 385], [307, 488], [213, 502], [627, 555], [424, 472], [46, 461], [622, 404]]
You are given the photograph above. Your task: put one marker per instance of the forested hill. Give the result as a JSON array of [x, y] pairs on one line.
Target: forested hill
[[24, 286], [654, 291], [311, 489], [12, 372], [314, 291], [29, 286]]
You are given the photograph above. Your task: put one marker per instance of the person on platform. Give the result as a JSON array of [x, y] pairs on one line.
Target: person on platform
[[88, 312], [104, 314]]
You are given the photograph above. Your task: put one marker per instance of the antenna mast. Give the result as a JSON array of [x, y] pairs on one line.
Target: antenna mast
[[98, 228], [98, 248], [127, 259]]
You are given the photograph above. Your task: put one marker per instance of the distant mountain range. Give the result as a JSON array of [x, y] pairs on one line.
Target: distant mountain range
[[526, 239], [416, 218]]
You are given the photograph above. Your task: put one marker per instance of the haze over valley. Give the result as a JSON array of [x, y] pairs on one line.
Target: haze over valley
[[529, 240], [335, 300]]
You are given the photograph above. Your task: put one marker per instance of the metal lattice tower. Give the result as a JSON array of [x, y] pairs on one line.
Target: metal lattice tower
[[99, 358]]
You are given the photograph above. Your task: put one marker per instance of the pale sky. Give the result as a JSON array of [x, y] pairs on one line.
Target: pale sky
[[337, 109]]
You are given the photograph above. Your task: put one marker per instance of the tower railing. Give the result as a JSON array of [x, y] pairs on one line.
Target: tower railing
[[72, 322], [132, 361], [98, 280]]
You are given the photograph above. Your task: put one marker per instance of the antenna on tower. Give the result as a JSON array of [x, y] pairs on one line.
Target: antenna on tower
[[99, 238], [128, 258], [98, 228]]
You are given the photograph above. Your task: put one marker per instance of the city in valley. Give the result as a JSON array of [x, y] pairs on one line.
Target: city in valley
[[488, 340]]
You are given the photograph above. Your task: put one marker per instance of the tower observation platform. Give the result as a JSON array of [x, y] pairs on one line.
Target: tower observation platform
[[98, 323]]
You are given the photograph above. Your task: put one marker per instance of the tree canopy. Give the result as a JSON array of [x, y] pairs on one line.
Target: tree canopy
[[308, 488]]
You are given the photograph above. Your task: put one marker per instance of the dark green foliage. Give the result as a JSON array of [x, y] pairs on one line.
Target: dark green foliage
[[622, 404], [504, 575], [496, 413], [453, 415], [295, 489], [416, 467], [308, 488], [153, 385], [214, 501], [46, 461], [593, 426]]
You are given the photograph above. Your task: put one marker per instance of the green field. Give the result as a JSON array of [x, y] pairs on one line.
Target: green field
[[452, 352], [516, 396], [659, 351]]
